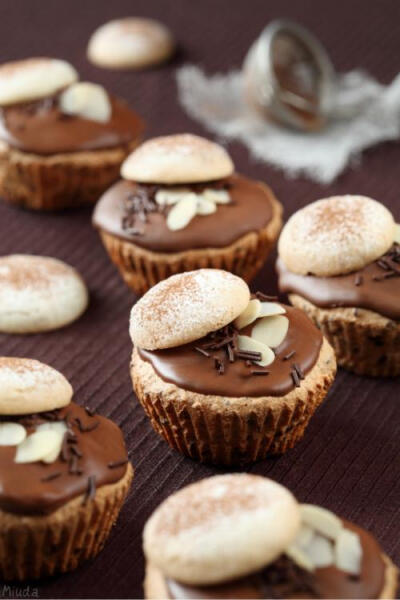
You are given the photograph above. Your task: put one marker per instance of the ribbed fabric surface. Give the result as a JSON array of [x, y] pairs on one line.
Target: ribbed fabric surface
[[349, 459]]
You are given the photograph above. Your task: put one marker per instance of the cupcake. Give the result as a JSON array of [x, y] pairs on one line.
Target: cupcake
[[339, 261], [245, 536], [180, 206], [62, 141], [225, 377], [64, 473]]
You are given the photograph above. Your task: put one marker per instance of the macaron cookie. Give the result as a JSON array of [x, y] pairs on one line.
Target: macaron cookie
[[62, 141], [245, 536], [63, 470], [130, 43], [38, 294], [339, 261], [226, 377], [180, 206]]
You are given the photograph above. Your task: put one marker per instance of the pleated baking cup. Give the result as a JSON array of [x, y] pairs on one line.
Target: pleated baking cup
[[141, 268], [231, 431], [39, 546], [155, 584], [58, 181], [364, 342]]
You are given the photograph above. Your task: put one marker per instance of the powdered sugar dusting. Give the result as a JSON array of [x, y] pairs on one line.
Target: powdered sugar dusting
[[186, 307], [208, 501], [336, 235]]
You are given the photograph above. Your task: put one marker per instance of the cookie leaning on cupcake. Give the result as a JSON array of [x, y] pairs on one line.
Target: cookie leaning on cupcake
[[339, 260], [225, 378], [244, 536], [61, 141], [64, 473], [180, 207]]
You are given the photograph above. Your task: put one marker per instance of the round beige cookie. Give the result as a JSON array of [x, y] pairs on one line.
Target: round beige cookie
[[33, 78], [187, 306], [38, 294], [221, 528], [29, 386], [336, 236], [130, 43], [175, 159]]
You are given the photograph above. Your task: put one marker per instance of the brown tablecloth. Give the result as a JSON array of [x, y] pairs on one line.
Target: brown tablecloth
[[349, 460]]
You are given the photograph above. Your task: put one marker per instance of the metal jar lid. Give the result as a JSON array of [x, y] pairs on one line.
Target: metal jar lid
[[289, 76]]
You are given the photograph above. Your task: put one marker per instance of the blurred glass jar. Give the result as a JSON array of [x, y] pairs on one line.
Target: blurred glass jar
[[289, 76]]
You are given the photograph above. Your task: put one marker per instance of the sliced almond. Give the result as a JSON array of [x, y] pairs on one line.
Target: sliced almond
[[248, 344], [60, 427], [217, 196], [348, 552], [320, 551], [299, 557], [397, 233], [182, 213], [268, 309], [87, 100], [250, 314], [11, 434], [304, 536], [37, 446], [271, 331], [205, 207], [168, 196], [321, 520]]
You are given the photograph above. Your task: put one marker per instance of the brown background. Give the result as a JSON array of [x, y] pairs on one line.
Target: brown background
[[349, 459]]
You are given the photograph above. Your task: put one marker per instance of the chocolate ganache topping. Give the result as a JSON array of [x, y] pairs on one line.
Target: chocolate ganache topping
[[93, 454], [42, 128], [375, 287], [129, 211], [284, 579], [214, 365]]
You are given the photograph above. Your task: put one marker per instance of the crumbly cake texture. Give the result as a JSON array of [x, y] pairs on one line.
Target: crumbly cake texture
[[39, 293], [231, 431], [199, 520], [364, 341], [155, 584], [58, 181], [130, 43], [77, 531], [175, 159], [29, 386], [34, 78], [185, 307], [336, 235], [141, 269]]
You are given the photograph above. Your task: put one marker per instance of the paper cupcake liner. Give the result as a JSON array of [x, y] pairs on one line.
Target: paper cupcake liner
[[59, 181], [141, 269], [362, 345], [222, 434], [39, 546]]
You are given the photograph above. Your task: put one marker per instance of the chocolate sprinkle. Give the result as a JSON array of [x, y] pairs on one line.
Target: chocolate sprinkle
[[259, 372], [290, 355], [358, 279], [117, 463], [90, 490], [51, 476]]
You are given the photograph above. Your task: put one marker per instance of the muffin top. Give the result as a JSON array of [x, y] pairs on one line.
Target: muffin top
[[180, 192], [246, 536], [46, 110], [343, 251], [130, 43], [38, 293], [51, 449], [203, 332]]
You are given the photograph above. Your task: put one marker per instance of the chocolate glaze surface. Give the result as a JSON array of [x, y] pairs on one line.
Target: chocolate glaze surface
[[22, 488], [375, 287], [250, 210], [40, 127], [328, 582], [190, 370]]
